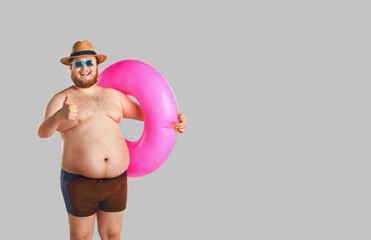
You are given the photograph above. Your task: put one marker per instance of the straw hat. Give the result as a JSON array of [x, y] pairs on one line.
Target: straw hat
[[83, 49]]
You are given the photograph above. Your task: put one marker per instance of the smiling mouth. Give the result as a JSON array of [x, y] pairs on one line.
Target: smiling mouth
[[84, 74]]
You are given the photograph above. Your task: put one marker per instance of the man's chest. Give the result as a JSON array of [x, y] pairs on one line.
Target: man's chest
[[89, 106]]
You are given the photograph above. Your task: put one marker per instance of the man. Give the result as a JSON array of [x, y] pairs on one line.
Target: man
[[95, 156]]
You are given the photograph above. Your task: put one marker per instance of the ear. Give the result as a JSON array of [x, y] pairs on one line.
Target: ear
[[71, 60]]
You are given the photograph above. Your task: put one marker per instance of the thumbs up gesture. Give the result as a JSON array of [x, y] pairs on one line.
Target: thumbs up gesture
[[68, 111]]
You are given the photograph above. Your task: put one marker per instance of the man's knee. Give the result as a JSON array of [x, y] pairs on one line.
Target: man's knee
[[81, 235], [111, 233]]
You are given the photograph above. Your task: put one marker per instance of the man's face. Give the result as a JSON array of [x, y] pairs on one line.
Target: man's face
[[86, 76]]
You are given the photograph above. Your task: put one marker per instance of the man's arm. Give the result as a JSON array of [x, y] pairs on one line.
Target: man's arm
[[56, 111], [131, 109]]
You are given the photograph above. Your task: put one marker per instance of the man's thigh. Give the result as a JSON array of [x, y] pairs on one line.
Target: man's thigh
[[81, 227], [109, 223]]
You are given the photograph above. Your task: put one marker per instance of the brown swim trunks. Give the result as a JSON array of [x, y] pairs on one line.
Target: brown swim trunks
[[83, 196]]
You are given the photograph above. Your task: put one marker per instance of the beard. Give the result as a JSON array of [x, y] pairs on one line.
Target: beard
[[87, 83]]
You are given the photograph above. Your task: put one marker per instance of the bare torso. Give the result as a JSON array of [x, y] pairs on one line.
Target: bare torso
[[92, 143]]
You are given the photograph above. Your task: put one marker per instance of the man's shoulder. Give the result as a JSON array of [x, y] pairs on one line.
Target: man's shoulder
[[62, 94], [113, 91]]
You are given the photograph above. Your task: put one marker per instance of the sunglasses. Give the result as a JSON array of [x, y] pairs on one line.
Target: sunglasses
[[80, 64]]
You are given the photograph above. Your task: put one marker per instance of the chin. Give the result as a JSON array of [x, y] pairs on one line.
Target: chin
[[84, 83]]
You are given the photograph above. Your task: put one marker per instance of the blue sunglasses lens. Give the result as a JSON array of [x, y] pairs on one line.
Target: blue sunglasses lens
[[89, 63], [78, 64]]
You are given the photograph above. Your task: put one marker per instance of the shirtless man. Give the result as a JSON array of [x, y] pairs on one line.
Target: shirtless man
[[95, 155]]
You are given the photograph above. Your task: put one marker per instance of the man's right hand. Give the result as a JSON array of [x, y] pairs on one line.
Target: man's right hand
[[68, 111]]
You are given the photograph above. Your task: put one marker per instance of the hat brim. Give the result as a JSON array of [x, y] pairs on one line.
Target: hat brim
[[100, 58]]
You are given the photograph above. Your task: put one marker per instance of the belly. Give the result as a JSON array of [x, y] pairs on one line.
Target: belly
[[95, 148]]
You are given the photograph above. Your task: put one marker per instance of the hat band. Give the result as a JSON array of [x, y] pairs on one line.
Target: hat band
[[83, 53]]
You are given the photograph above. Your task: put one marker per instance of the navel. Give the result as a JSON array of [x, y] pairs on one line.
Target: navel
[[106, 159]]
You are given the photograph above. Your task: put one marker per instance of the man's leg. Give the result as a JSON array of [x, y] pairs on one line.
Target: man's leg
[[81, 227], [110, 224]]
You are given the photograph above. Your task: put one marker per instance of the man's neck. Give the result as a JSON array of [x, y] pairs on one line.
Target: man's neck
[[89, 90]]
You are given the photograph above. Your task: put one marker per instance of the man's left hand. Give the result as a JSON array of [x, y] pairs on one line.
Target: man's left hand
[[181, 124]]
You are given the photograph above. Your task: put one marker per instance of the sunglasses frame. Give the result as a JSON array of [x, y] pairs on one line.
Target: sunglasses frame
[[84, 63]]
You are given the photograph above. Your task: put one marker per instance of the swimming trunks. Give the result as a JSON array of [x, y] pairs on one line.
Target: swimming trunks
[[83, 196]]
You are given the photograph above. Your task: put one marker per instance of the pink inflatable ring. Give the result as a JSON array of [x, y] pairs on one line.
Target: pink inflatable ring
[[156, 99]]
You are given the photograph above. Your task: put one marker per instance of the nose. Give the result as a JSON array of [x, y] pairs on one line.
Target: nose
[[84, 66]]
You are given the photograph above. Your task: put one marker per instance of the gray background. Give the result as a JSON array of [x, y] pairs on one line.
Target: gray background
[[276, 94]]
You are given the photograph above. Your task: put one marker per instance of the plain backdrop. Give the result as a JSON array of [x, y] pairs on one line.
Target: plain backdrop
[[276, 94]]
